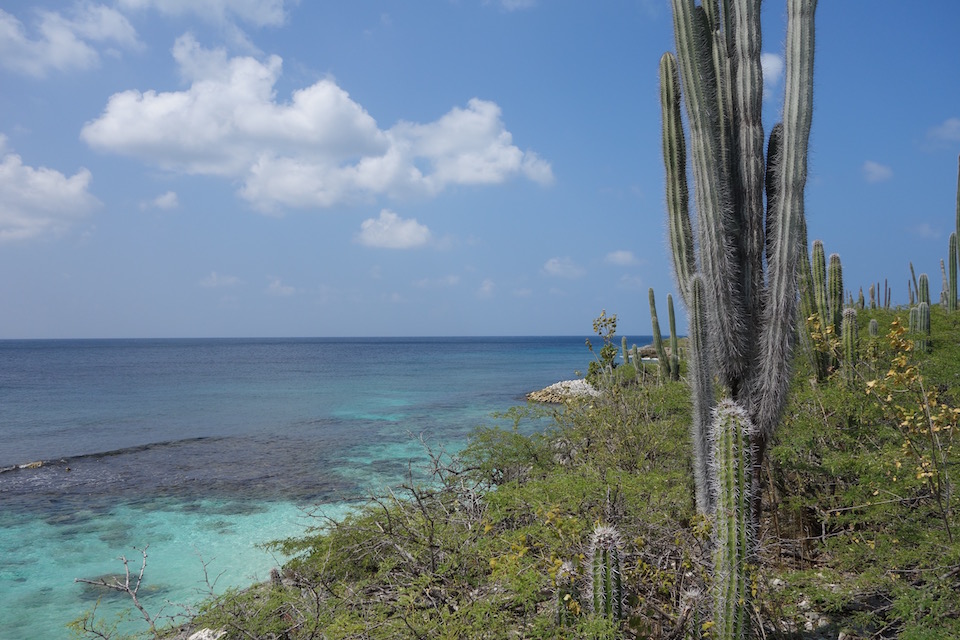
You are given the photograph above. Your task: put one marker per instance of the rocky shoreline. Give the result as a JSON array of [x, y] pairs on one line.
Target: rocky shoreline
[[560, 392]]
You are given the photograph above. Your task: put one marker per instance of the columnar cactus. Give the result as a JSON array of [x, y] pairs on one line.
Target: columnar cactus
[[605, 567], [624, 353], [674, 341], [751, 233], [848, 334], [835, 292], [952, 259], [923, 289], [733, 531], [658, 338], [923, 327], [700, 374], [750, 314]]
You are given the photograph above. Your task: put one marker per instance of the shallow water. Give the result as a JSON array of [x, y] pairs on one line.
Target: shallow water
[[205, 449]]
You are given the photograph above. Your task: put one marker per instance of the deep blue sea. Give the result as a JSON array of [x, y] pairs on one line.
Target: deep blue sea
[[204, 449]]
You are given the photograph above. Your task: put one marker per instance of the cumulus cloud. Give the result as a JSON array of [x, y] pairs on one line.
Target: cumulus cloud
[[562, 268], [319, 149], [36, 202], [63, 42], [168, 200], [258, 13], [772, 67], [216, 280], [390, 231], [947, 131], [621, 258], [876, 172]]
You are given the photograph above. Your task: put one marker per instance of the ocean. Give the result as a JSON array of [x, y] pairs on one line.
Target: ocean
[[201, 450]]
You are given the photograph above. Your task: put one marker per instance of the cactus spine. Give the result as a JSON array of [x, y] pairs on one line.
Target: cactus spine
[[605, 564], [733, 489], [848, 334]]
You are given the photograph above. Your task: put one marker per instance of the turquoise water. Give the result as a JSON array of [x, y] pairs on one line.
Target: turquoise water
[[205, 449]]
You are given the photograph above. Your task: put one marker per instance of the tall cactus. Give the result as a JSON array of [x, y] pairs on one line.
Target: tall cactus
[[952, 259], [733, 532], [605, 567], [923, 289], [664, 364], [749, 311], [848, 334], [674, 341], [835, 292], [701, 383]]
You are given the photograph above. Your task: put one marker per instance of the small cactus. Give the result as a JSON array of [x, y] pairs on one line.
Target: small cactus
[[605, 567], [952, 259], [873, 328], [923, 327], [835, 292], [733, 531], [568, 595]]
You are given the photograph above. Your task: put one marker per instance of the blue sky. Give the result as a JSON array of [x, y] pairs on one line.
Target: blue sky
[[442, 167]]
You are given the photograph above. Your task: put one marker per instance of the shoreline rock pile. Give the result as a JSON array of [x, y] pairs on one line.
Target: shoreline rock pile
[[560, 392]]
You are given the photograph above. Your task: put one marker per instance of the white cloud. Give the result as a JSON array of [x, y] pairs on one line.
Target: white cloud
[[947, 131], [925, 230], [277, 288], [562, 268], [62, 43], [515, 5], [259, 13], [168, 200], [215, 280], [36, 202], [772, 67], [319, 149], [621, 258], [390, 231], [432, 283], [487, 288], [876, 172]]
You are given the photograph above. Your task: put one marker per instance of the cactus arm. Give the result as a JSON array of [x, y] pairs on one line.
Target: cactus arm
[[751, 169], [710, 193], [923, 289], [675, 163], [777, 333]]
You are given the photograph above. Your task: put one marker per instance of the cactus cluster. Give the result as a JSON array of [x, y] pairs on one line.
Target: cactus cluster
[[739, 279], [821, 303]]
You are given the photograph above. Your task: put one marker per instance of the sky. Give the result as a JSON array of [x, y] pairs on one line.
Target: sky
[[247, 168]]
